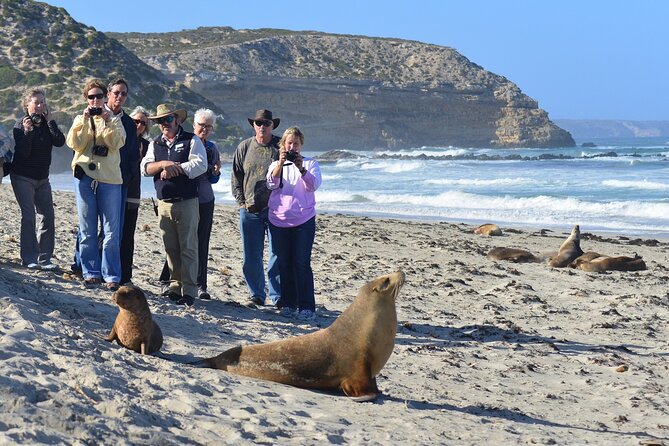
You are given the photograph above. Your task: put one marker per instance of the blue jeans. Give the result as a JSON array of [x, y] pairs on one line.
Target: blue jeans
[[104, 203], [253, 228], [293, 249]]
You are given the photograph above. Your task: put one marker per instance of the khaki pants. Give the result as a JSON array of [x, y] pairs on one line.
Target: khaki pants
[[178, 226]]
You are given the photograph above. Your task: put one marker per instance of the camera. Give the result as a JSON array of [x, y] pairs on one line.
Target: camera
[[36, 119], [291, 156], [100, 150], [94, 111]]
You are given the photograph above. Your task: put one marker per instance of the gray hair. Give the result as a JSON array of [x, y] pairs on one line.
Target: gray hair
[[139, 110], [205, 114], [28, 95]]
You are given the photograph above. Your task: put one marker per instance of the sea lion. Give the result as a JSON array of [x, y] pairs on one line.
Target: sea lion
[[134, 327], [585, 257], [569, 250], [512, 255], [606, 263], [347, 355], [488, 229]]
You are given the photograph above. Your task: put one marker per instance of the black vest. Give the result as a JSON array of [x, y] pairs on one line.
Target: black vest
[[181, 186]]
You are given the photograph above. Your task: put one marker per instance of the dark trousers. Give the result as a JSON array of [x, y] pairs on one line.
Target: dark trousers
[[203, 237], [292, 247], [128, 243]]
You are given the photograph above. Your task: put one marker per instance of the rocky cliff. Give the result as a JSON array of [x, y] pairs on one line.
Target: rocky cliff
[[351, 92]]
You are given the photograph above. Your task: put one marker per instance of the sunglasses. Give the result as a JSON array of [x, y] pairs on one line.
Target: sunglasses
[[96, 96], [122, 93], [166, 120], [261, 123], [205, 126], [139, 121]]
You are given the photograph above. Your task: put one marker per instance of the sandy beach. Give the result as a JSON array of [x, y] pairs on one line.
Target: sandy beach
[[487, 352]]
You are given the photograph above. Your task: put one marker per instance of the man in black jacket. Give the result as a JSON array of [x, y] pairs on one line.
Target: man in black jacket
[[35, 136]]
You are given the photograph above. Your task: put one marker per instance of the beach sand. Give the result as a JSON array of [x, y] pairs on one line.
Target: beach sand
[[486, 352]]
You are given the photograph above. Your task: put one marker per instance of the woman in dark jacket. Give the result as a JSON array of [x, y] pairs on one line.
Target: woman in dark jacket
[[35, 136]]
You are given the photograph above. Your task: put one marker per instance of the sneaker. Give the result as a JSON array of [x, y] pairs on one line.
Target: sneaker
[[306, 315], [287, 311], [186, 300], [91, 282], [256, 300], [112, 286], [31, 265], [202, 294], [165, 289], [48, 266]]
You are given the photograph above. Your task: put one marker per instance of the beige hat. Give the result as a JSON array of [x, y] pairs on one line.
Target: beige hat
[[167, 109]]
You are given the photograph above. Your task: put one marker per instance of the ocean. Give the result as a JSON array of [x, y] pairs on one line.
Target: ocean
[[619, 186]]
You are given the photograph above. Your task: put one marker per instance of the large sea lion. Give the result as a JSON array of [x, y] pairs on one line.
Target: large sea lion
[[347, 355], [569, 250], [488, 229], [134, 327], [512, 255], [605, 263]]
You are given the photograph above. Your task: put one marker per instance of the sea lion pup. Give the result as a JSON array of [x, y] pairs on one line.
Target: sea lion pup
[[488, 229], [134, 327], [512, 255], [606, 263], [347, 355], [569, 250]]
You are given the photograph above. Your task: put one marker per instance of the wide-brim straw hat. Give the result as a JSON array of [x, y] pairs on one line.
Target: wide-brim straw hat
[[265, 115], [168, 109]]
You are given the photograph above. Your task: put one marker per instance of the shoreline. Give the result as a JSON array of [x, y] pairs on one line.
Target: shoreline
[[485, 351]]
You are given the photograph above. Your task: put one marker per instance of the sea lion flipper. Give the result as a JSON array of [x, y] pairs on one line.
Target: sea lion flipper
[[361, 385], [142, 348], [112, 335]]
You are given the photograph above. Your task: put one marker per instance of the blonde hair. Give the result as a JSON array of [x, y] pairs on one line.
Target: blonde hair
[[294, 131]]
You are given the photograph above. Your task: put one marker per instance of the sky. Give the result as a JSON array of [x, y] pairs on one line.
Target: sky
[[581, 59]]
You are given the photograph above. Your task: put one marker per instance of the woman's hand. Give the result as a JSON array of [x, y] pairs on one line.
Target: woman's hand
[[27, 124], [47, 113]]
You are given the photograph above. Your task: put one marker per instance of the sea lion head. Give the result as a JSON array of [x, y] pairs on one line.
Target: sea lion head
[[130, 297], [384, 287]]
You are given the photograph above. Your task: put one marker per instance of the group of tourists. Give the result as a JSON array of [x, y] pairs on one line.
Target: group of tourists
[[272, 183]]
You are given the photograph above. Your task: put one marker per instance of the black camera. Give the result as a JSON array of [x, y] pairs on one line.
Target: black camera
[[94, 111], [36, 119], [291, 156], [98, 150]]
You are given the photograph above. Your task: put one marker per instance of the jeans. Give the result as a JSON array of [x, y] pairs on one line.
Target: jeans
[[34, 198], [253, 227], [102, 202], [293, 249]]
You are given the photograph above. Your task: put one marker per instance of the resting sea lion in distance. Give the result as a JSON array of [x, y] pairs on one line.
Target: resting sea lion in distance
[[585, 257], [347, 355], [488, 229], [134, 327], [606, 263], [512, 255], [569, 250]]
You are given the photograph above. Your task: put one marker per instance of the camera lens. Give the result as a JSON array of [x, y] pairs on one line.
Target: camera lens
[[36, 119], [92, 166]]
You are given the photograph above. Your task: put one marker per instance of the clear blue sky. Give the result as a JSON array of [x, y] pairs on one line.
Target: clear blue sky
[[583, 59]]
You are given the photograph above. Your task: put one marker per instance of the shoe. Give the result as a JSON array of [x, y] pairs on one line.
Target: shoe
[[287, 311], [165, 289], [306, 315], [186, 300], [202, 294], [255, 300], [91, 282], [112, 286], [48, 266], [31, 265], [174, 297]]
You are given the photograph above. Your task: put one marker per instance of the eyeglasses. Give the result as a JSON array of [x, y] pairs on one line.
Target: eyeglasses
[[95, 96], [261, 123], [122, 93], [139, 121], [205, 126], [166, 120]]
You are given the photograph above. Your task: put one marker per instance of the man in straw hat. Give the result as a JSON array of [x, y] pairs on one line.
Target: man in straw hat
[[175, 159], [249, 168]]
